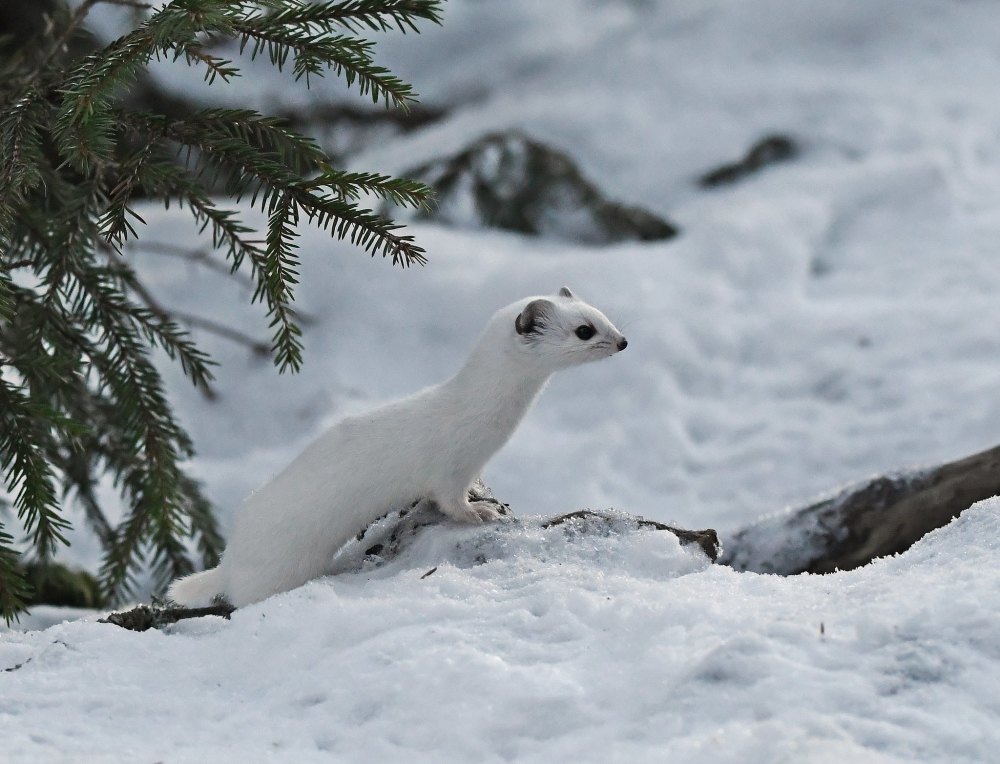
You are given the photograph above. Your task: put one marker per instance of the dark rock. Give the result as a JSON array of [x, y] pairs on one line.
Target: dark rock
[[767, 151], [881, 517], [509, 181]]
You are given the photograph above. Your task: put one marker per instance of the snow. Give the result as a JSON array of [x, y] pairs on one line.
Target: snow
[[832, 317], [619, 648]]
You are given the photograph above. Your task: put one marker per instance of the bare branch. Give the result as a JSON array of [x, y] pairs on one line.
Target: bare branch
[[204, 257], [259, 347], [200, 256]]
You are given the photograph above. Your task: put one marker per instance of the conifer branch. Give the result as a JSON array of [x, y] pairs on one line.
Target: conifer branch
[[346, 220], [351, 185], [80, 395], [78, 466], [206, 531], [13, 586], [71, 26], [380, 16], [273, 271], [280, 275], [27, 474], [313, 54], [20, 147]]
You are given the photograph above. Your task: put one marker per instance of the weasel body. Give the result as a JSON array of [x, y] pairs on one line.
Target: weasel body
[[431, 445]]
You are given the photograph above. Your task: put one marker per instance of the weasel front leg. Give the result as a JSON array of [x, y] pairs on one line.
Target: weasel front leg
[[462, 510]]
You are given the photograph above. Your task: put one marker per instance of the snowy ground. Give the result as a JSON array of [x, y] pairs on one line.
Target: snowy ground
[[831, 318], [624, 649]]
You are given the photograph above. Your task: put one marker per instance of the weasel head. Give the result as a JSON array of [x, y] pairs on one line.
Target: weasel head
[[561, 331]]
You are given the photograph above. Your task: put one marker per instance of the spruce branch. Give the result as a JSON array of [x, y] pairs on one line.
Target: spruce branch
[[347, 220], [273, 270], [20, 146], [313, 54], [268, 134], [280, 275], [160, 328], [80, 394], [78, 467], [14, 589], [351, 185], [27, 474], [71, 27], [380, 15]]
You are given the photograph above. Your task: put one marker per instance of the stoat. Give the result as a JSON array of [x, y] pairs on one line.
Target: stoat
[[431, 445]]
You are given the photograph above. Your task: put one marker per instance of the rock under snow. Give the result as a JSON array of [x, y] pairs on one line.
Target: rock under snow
[[508, 180]]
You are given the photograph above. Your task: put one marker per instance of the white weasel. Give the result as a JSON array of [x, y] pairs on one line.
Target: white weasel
[[431, 445]]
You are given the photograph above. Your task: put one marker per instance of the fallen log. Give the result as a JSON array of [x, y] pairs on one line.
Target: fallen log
[[883, 516]]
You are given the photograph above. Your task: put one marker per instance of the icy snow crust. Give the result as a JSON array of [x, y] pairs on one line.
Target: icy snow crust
[[830, 318]]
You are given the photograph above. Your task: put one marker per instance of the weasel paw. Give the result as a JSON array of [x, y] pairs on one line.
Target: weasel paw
[[487, 511], [473, 512]]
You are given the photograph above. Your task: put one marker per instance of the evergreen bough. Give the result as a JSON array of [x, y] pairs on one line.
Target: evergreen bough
[[80, 395]]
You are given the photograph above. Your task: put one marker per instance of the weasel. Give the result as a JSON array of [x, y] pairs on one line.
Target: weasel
[[429, 446]]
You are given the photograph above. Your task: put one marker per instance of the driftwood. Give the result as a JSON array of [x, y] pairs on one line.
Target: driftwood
[[881, 517]]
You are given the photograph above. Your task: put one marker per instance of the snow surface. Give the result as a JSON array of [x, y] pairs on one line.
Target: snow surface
[[626, 648], [830, 318]]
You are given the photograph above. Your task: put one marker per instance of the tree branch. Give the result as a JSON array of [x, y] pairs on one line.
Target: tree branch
[[74, 22]]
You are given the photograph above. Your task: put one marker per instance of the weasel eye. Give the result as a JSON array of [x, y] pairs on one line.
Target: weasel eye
[[585, 332]]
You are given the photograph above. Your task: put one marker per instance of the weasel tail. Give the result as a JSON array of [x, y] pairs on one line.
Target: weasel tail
[[430, 446], [198, 589]]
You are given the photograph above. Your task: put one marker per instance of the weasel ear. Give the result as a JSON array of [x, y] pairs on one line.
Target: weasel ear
[[528, 320], [564, 292]]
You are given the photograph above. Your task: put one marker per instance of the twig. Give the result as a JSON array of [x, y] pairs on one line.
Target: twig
[[13, 265], [259, 347], [204, 257], [150, 302], [194, 255], [75, 20], [145, 617], [128, 3]]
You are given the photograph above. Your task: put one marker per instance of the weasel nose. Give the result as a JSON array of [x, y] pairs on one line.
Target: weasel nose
[[622, 343]]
